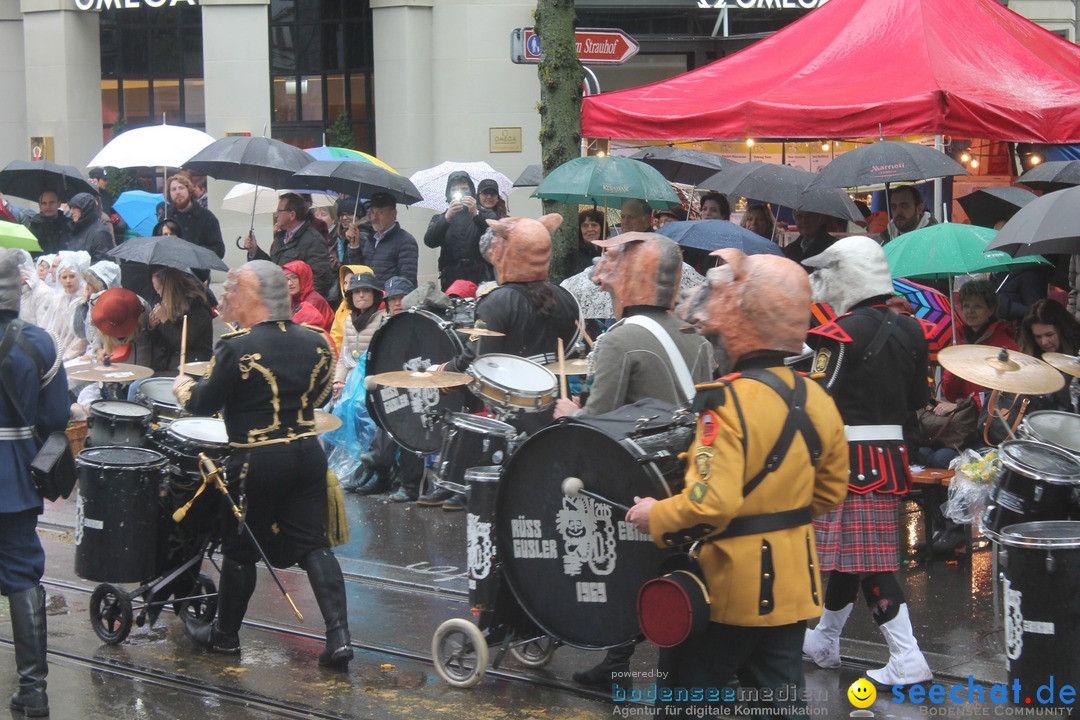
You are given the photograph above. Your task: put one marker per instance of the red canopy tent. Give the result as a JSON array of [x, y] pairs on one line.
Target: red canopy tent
[[965, 68]]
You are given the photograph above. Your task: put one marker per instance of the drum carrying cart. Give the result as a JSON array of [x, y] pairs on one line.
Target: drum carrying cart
[[546, 568], [128, 528]]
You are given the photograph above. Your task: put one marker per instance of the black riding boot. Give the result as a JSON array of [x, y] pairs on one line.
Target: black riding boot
[[223, 635], [327, 583], [617, 660], [28, 627]]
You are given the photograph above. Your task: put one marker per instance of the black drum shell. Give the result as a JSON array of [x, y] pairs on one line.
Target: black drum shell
[[483, 575], [117, 513], [1040, 567], [412, 340], [574, 564], [1036, 482], [471, 441], [114, 422]]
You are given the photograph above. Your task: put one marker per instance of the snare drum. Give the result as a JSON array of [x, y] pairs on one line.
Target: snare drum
[[471, 441], [1036, 482], [1060, 429], [413, 340], [184, 438], [114, 422], [513, 384], [156, 393]]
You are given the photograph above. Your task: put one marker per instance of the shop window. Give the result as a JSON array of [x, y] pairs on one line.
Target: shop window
[[167, 100], [194, 102], [110, 101], [333, 47], [311, 98], [282, 49], [136, 102], [358, 104], [335, 97], [284, 99], [308, 48]]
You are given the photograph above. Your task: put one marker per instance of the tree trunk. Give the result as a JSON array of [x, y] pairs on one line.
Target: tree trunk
[[561, 77]]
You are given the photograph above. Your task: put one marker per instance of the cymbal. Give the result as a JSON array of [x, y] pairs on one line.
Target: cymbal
[[196, 368], [117, 373], [577, 366], [325, 422], [1065, 363], [999, 369], [479, 332], [420, 379]]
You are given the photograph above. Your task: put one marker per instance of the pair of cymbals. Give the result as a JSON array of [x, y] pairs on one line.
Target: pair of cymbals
[[116, 373], [577, 366], [325, 422], [1069, 364], [420, 379], [1001, 369], [197, 368]]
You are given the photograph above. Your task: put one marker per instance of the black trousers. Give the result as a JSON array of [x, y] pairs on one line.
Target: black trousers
[[285, 486], [767, 662]]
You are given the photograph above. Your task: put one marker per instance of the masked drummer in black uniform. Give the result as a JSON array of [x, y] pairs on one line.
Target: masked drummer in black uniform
[[267, 379], [532, 313]]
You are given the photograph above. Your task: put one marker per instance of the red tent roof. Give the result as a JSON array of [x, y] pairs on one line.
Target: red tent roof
[[967, 68]]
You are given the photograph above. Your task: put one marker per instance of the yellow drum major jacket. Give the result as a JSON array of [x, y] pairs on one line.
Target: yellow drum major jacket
[[769, 578]]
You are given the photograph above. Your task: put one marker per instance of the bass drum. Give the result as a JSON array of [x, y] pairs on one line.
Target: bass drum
[[573, 563], [413, 340]]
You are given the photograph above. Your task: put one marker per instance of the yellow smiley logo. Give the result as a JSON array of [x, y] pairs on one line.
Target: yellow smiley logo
[[862, 693]]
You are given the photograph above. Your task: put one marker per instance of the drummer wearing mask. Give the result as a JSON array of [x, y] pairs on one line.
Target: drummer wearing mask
[[753, 520], [531, 313], [267, 379], [642, 356]]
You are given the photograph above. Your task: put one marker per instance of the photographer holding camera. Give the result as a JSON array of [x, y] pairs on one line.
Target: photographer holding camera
[[457, 232]]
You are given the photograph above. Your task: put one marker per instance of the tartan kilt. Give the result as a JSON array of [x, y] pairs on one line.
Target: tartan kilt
[[860, 536]]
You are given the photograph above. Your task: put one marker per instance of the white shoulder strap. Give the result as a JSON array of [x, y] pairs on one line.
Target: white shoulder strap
[[678, 364]]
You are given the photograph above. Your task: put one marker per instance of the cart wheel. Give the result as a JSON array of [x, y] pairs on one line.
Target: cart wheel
[[203, 609], [460, 653], [534, 653], [110, 613]]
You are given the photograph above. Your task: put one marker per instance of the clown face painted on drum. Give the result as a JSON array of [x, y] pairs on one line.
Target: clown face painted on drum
[[851, 270], [755, 302], [521, 248], [639, 269]]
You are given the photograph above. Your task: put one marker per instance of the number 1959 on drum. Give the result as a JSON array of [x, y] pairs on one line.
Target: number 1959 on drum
[[591, 592]]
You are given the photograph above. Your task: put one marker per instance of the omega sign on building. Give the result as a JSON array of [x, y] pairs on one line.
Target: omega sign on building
[[761, 4], [129, 4]]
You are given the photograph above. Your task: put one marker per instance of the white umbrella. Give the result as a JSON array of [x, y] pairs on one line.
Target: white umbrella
[[432, 182], [152, 146], [265, 200]]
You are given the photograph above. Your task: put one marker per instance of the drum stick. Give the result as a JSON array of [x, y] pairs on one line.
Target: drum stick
[[562, 372], [212, 473], [183, 345], [572, 487], [588, 340]]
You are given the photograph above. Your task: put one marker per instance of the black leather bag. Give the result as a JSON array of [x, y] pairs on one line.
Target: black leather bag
[[53, 468]]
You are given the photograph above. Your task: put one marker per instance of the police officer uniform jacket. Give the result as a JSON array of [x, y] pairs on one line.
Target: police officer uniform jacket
[[768, 578]]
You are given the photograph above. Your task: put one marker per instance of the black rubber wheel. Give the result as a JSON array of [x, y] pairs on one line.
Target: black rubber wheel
[[460, 653], [110, 613], [203, 609]]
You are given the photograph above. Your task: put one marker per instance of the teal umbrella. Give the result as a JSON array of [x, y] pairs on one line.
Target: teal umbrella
[[14, 235], [949, 249], [607, 181]]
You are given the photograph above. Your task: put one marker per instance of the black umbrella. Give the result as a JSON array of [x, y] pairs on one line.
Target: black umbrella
[[170, 251], [257, 160], [531, 176], [1046, 225], [683, 165], [29, 178], [1051, 176], [359, 179], [709, 235], [986, 207], [886, 161], [782, 185]]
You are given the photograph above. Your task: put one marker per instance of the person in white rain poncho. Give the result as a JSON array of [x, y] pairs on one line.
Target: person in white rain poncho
[[67, 294], [37, 296]]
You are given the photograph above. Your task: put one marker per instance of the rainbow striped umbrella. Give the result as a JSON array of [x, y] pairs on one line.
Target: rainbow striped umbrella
[[329, 152]]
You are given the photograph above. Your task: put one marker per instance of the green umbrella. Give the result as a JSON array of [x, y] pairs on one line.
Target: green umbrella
[[949, 249], [14, 235], [607, 181]]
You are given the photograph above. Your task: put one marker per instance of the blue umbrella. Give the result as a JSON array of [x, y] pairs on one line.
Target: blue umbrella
[[139, 210], [709, 235]]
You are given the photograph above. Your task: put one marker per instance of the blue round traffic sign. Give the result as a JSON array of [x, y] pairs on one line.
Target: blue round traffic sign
[[532, 46]]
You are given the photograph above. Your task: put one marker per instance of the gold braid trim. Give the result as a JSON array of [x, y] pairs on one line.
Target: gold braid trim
[[247, 364]]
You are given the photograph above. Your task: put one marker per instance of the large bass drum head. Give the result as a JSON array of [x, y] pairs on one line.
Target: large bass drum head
[[412, 340], [574, 564]]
